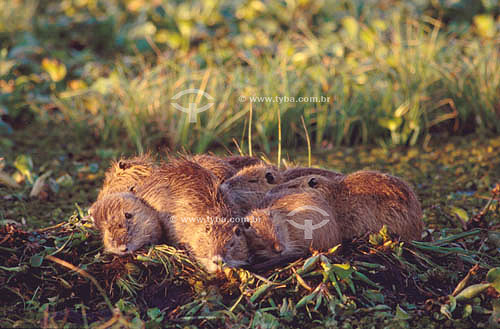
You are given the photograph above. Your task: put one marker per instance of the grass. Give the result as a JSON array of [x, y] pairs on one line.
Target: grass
[[394, 73]]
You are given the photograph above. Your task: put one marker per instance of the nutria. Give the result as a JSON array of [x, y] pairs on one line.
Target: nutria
[[291, 225], [125, 173], [126, 223], [364, 201], [241, 161], [218, 166], [245, 190], [191, 212]]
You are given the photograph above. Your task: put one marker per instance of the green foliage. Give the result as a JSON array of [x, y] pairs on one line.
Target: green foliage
[[391, 72]]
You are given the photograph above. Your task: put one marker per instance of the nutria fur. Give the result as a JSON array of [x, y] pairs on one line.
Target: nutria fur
[[241, 161], [273, 231], [245, 190], [125, 174], [292, 173], [186, 194], [364, 201], [218, 166], [126, 223]]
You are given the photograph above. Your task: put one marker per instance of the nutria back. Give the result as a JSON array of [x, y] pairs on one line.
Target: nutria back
[[126, 173]]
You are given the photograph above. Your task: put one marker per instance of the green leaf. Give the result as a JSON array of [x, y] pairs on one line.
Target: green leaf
[[401, 314], [459, 212], [309, 263], [493, 277], [485, 25], [304, 300], [36, 260], [471, 291], [262, 289], [24, 164], [55, 69]]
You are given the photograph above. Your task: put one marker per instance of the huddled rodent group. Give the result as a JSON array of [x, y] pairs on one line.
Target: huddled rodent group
[[238, 210]]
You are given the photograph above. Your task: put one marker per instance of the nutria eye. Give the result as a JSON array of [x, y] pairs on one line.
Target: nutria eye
[[128, 215], [246, 225], [270, 178], [313, 182], [131, 188], [237, 231], [122, 165]]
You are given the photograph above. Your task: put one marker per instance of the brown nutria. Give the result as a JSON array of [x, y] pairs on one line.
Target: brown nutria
[[241, 161], [187, 195], [295, 172], [126, 223], [364, 201], [218, 166], [291, 225], [125, 173], [245, 190]]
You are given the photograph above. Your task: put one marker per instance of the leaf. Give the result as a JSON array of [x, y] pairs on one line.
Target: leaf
[[39, 184], [485, 25], [460, 213], [308, 264], [471, 291], [262, 289], [493, 277], [390, 123], [306, 299], [55, 69], [401, 314], [351, 26], [494, 320], [24, 164], [36, 260]]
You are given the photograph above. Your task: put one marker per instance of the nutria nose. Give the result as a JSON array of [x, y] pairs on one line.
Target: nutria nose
[[123, 248], [217, 260]]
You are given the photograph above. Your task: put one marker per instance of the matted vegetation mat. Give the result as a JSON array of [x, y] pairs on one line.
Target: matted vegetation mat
[[59, 277]]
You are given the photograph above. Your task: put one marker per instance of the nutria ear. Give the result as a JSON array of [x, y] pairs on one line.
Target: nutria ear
[[312, 182], [131, 189], [270, 178], [208, 228]]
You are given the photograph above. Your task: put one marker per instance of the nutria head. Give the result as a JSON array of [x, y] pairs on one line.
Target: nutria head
[[245, 190], [239, 162], [219, 244], [219, 167], [292, 173], [125, 174], [199, 218], [126, 223], [262, 236]]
